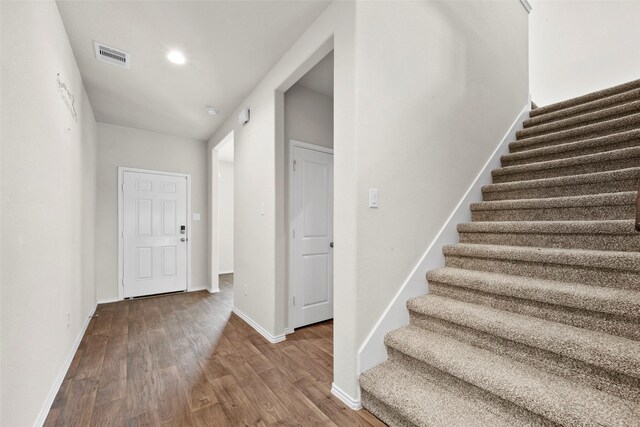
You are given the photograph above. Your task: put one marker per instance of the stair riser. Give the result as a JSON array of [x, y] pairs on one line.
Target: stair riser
[[510, 161], [515, 414], [614, 186], [580, 213], [610, 102], [597, 116], [579, 169], [615, 383], [596, 321], [601, 242], [531, 143], [560, 272]]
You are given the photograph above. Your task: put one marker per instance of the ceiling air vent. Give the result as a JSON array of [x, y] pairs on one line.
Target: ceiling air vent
[[111, 55]]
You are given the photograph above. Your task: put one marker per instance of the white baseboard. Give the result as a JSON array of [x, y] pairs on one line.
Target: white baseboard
[[198, 288], [225, 272], [373, 351], [213, 290], [273, 339], [108, 300], [352, 403], [53, 391]]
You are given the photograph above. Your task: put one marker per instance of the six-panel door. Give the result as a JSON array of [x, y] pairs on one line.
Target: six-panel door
[[154, 245]]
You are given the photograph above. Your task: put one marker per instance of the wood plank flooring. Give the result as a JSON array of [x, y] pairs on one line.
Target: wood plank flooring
[[186, 360]]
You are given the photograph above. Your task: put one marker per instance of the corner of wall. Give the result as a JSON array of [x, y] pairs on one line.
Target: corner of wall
[[373, 351]]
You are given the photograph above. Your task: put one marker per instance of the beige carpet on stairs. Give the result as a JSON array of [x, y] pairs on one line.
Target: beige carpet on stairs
[[535, 317]]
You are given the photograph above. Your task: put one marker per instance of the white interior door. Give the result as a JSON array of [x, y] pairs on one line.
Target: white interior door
[[312, 219], [154, 234]]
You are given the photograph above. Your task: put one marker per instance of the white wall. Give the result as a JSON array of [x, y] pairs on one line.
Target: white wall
[[579, 47], [308, 116], [122, 146], [48, 200], [225, 217], [418, 123], [426, 124]]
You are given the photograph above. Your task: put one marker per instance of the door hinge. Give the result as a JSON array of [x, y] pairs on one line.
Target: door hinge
[[294, 233], [294, 165], [122, 188], [123, 283], [294, 300]]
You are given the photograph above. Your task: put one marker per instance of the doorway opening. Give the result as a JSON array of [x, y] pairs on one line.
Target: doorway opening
[[223, 186], [308, 132]]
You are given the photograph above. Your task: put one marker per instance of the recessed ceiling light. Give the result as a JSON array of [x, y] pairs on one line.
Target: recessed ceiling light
[[212, 111], [176, 57]]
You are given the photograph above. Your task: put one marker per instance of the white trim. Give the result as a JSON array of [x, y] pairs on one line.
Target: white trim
[[373, 351], [352, 403], [225, 272], [57, 383], [199, 288], [213, 290], [289, 298], [121, 171], [108, 300], [273, 339], [526, 5]]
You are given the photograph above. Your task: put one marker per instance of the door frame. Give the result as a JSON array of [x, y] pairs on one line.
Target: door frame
[[120, 190], [293, 143]]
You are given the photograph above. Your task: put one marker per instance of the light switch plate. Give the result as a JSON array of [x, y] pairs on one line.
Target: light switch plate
[[373, 198], [196, 217]]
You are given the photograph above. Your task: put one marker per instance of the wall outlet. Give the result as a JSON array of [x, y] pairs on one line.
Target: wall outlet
[[68, 320]]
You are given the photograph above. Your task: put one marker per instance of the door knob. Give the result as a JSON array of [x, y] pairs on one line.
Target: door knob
[[182, 239], [331, 244]]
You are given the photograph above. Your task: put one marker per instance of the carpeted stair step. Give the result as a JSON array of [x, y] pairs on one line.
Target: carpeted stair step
[[571, 149], [623, 158], [587, 118], [399, 392], [598, 268], [617, 235], [608, 102], [589, 357], [555, 398], [593, 96], [620, 181], [608, 310], [591, 207], [603, 128]]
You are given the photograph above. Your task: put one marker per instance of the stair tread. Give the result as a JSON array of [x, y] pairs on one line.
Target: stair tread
[[587, 178], [610, 260], [575, 295], [590, 116], [553, 397], [599, 227], [613, 124], [596, 348], [605, 199], [425, 402], [574, 145], [593, 96], [612, 155], [581, 108]]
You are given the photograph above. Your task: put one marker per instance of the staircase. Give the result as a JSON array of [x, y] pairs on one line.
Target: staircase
[[535, 318]]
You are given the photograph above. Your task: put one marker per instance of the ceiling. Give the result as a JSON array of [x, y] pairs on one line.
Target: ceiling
[[229, 46], [320, 77]]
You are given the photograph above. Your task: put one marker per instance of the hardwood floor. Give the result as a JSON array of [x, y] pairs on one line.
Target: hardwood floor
[[186, 360]]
